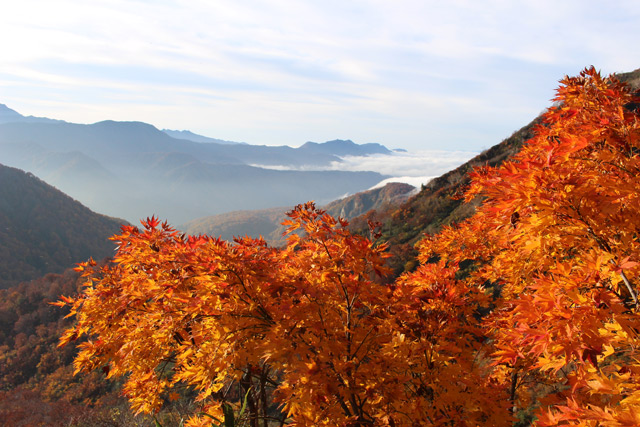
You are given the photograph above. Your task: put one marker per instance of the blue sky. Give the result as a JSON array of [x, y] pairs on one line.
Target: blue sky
[[419, 75]]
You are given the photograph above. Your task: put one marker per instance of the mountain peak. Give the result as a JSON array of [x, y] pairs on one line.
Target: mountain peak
[[333, 143], [8, 113], [129, 129], [344, 147], [129, 124]]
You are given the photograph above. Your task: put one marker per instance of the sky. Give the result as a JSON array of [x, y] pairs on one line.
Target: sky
[[412, 74]]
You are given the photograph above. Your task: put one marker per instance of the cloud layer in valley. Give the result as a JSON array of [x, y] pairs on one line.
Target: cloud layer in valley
[[413, 168], [421, 163]]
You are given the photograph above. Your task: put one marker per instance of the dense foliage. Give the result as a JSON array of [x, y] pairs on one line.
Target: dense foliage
[[559, 232], [37, 386], [305, 327], [527, 309]]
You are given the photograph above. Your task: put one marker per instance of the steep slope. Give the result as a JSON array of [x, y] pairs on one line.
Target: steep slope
[[390, 195], [43, 230], [632, 78], [436, 204], [267, 222]]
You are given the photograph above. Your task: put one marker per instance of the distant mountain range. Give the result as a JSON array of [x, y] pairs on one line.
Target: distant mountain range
[[133, 170], [44, 231]]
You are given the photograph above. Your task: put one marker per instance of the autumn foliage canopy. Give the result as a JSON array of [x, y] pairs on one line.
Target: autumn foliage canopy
[[529, 306]]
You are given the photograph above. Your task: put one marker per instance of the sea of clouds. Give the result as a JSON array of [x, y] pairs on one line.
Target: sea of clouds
[[414, 168]]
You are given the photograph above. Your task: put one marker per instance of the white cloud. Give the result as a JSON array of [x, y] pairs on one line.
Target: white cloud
[[419, 164], [416, 181], [412, 168]]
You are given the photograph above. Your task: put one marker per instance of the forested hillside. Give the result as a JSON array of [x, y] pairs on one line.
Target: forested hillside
[[29, 332], [42, 230], [37, 385]]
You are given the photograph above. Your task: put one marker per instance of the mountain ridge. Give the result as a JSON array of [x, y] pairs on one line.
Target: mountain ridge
[[344, 147], [8, 115], [141, 170], [190, 136]]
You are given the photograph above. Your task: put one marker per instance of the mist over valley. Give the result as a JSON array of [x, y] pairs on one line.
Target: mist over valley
[[132, 170]]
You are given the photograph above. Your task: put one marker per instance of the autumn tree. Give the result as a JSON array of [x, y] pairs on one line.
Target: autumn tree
[[530, 303], [306, 333], [558, 234]]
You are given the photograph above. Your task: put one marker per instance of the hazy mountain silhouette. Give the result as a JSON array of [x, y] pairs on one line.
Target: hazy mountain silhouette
[[134, 170], [341, 147]]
